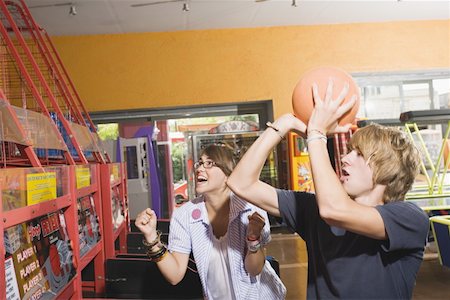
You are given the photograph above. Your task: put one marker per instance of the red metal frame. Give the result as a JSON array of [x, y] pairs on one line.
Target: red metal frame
[[58, 64], [36, 78], [111, 235], [96, 254], [33, 30], [23, 71], [68, 203], [26, 150], [124, 196], [43, 72], [63, 82], [38, 73]]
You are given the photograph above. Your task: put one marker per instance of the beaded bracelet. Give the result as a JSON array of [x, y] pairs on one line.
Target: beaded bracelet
[[270, 125], [158, 255], [154, 242], [151, 252]]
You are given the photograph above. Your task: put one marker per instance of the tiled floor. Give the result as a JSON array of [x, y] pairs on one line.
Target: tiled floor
[[433, 280]]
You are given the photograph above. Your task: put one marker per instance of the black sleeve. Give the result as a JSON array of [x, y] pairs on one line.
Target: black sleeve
[[406, 225], [297, 209]]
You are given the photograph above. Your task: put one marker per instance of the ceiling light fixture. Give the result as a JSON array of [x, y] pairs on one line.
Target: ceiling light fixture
[[72, 10], [294, 3], [185, 6]]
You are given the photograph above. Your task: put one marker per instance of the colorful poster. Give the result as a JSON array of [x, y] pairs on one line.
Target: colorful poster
[[49, 237], [303, 174], [88, 225], [41, 187], [24, 277]]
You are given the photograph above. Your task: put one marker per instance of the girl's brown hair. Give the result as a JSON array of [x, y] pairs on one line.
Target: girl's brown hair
[[222, 155]]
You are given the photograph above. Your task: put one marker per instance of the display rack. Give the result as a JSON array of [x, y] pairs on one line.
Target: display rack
[[115, 208], [47, 130], [77, 191], [38, 218], [34, 81], [90, 245], [23, 132]]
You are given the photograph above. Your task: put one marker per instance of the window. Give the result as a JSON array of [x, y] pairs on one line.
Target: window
[[387, 95]]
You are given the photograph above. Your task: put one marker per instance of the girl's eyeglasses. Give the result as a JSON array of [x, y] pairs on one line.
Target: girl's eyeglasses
[[207, 164]]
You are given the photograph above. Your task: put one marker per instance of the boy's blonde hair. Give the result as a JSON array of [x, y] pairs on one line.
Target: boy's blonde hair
[[392, 155]]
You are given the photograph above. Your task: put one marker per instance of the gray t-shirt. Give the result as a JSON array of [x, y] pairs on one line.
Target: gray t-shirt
[[346, 265]]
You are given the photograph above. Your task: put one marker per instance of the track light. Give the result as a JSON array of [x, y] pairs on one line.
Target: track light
[[72, 10], [294, 3], [185, 6]]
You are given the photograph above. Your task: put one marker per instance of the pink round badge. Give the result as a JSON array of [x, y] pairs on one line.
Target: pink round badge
[[196, 213]]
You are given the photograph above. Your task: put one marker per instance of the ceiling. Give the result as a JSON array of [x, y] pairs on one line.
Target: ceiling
[[119, 16]]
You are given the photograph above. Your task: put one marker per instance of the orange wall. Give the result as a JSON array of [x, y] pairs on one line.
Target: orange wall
[[149, 70]]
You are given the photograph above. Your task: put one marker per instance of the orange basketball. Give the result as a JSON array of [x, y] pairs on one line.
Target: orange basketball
[[302, 97]]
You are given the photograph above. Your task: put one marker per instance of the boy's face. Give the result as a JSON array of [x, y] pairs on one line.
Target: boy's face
[[356, 175]]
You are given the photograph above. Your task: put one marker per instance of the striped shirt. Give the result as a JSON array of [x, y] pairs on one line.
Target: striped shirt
[[190, 231]]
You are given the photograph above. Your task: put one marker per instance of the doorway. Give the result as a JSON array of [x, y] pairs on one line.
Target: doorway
[[179, 135]]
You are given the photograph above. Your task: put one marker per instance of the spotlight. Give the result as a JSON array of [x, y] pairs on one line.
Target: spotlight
[[185, 6], [294, 3]]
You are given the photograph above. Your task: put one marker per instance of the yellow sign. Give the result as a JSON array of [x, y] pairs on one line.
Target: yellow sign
[[83, 175], [115, 172], [41, 187]]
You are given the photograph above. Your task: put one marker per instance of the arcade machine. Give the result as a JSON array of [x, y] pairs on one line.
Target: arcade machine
[[139, 191], [299, 165], [239, 136]]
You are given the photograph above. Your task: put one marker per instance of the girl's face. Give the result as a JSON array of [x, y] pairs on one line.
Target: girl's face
[[209, 177], [356, 175]]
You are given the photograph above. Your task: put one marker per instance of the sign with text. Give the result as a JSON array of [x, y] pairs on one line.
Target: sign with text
[[41, 187], [83, 175], [12, 290]]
